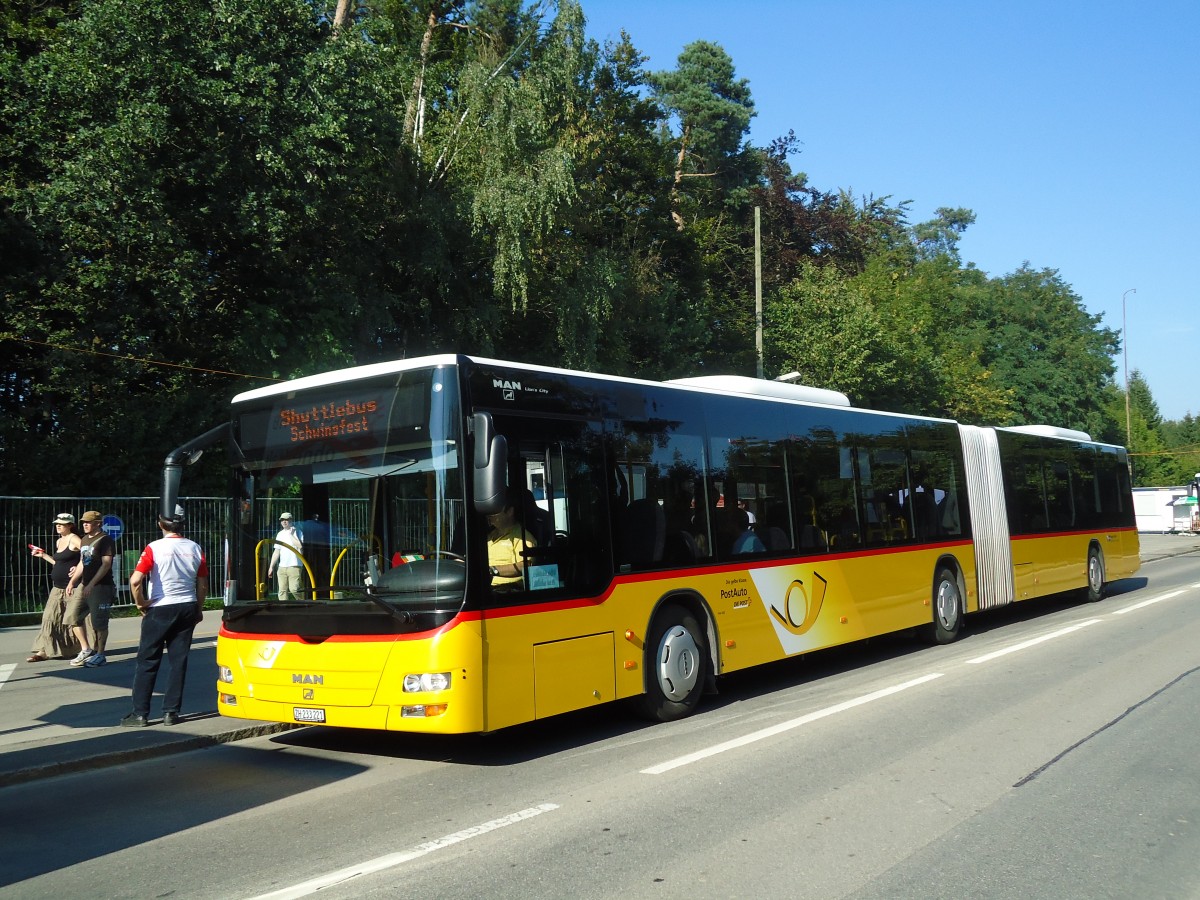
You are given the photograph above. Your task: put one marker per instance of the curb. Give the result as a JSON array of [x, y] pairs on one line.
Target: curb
[[167, 747]]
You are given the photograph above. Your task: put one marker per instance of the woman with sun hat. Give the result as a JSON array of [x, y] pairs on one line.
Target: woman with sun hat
[[55, 639]]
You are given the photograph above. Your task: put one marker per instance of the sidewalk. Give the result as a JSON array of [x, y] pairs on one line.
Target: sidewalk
[[1160, 546], [55, 719]]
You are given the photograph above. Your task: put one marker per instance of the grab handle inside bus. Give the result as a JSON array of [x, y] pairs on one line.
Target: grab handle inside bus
[[491, 465]]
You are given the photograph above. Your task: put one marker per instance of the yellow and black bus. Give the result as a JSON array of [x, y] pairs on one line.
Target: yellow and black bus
[[672, 532]]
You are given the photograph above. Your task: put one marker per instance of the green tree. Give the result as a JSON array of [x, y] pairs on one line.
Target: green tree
[[1182, 441], [1033, 333], [1151, 464], [825, 329], [210, 176], [712, 109], [940, 236]]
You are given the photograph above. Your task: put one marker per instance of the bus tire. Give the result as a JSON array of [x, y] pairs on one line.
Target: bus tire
[[676, 660], [1095, 575], [947, 607]]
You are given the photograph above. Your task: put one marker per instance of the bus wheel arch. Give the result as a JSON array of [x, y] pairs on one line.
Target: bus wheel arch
[[677, 658], [948, 602], [1095, 573]]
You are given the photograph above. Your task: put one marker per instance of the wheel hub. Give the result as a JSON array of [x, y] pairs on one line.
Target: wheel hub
[[947, 604], [678, 663]]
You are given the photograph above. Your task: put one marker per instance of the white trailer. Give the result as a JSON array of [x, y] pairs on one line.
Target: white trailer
[[1155, 509]]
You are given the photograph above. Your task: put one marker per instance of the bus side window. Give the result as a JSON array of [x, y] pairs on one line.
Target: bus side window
[[657, 515], [823, 506]]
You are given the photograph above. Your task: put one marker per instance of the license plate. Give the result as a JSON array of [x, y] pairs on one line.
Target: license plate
[[305, 714]]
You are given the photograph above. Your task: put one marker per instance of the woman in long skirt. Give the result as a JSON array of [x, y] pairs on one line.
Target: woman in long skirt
[[56, 638]]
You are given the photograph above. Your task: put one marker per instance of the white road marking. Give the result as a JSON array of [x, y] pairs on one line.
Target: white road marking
[[395, 859], [784, 726], [1031, 643], [850, 704], [1152, 600], [392, 860], [5, 671]]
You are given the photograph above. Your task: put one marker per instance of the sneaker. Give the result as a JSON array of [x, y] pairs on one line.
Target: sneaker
[[84, 655], [133, 720], [95, 660], [170, 718]]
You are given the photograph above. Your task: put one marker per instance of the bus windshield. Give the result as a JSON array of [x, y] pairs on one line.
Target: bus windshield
[[352, 501]]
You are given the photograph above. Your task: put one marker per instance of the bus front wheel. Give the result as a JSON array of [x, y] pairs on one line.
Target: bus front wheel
[[947, 607], [1095, 575], [676, 661]]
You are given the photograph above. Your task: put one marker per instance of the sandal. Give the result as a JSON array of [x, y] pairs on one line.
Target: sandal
[[36, 657]]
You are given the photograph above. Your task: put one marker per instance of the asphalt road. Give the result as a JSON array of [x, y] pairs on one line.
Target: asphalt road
[[1050, 753]]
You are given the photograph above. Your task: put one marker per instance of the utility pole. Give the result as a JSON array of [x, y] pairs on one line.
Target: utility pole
[[1125, 347], [758, 310]]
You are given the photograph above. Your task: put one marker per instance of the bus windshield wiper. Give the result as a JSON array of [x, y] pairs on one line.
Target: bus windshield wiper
[[232, 614], [402, 616]]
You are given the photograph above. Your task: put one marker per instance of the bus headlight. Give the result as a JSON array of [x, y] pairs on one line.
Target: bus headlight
[[427, 681], [225, 674]]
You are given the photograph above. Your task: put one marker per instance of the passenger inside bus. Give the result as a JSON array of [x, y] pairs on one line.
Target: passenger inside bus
[[811, 535], [735, 533]]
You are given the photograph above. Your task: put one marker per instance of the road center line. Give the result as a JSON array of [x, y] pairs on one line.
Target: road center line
[[1031, 643], [395, 859], [1152, 600], [784, 726]]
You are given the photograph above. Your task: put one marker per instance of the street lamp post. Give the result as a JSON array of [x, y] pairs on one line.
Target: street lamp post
[[1125, 347]]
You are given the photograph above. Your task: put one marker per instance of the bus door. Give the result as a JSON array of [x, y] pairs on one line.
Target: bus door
[[558, 469], [562, 657]]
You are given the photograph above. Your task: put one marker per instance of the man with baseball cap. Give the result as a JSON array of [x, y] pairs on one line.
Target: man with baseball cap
[[169, 585], [96, 590], [289, 544]]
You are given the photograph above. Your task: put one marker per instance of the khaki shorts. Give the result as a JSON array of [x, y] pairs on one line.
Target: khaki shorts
[[98, 605]]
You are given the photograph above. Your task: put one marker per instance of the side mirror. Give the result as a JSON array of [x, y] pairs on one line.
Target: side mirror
[[490, 466]]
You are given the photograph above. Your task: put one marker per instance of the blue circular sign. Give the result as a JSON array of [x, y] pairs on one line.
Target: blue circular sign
[[113, 527]]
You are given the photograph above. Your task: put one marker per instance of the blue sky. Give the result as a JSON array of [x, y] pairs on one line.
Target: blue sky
[[1070, 128]]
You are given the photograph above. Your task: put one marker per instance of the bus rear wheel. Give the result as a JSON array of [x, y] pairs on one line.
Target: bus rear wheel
[[676, 662], [947, 607], [1095, 575]]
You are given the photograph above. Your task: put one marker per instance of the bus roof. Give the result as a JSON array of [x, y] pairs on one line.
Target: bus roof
[[719, 384], [352, 373], [722, 384], [761, 387], [1067, 434]]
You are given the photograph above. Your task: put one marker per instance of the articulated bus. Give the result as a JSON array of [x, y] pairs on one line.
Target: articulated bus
[[675, 532]]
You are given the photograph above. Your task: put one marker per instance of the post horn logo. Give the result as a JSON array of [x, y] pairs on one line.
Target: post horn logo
[[800, 610]]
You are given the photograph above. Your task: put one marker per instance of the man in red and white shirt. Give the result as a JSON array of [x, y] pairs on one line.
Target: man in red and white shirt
[[176, 573]]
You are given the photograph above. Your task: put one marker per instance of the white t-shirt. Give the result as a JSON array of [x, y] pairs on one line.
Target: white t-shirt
[[289, 537], [173, 564]]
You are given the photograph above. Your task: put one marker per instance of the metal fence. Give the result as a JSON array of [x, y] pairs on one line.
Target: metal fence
[[25, 579]]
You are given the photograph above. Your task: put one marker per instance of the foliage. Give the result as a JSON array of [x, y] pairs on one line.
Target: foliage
[[197, 196], [832, 335], [1182, 441], [1032, 332], [199, 171]]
